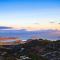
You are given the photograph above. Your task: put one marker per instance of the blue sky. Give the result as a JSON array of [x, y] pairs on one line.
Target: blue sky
[[30, 14]]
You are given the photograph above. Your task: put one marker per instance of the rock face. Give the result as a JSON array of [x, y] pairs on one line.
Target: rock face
[[43, 49], [55, 55]]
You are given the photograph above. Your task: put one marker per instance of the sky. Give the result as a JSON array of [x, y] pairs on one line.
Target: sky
[[30, 14]]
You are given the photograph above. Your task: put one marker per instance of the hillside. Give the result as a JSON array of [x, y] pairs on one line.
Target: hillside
[[38, 49]]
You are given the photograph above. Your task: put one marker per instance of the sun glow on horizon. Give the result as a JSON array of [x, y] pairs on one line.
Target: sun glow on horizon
[[37, 27], [30, 14]]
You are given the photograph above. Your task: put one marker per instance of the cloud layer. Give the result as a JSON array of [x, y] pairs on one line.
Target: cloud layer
[[24, 34]]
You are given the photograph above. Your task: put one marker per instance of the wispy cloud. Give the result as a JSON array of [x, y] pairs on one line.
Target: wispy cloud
[[52, 22], [37, 23], [58, 23], [5, 27]]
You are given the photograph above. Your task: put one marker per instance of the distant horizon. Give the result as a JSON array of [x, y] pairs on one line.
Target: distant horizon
[[24, 34]]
